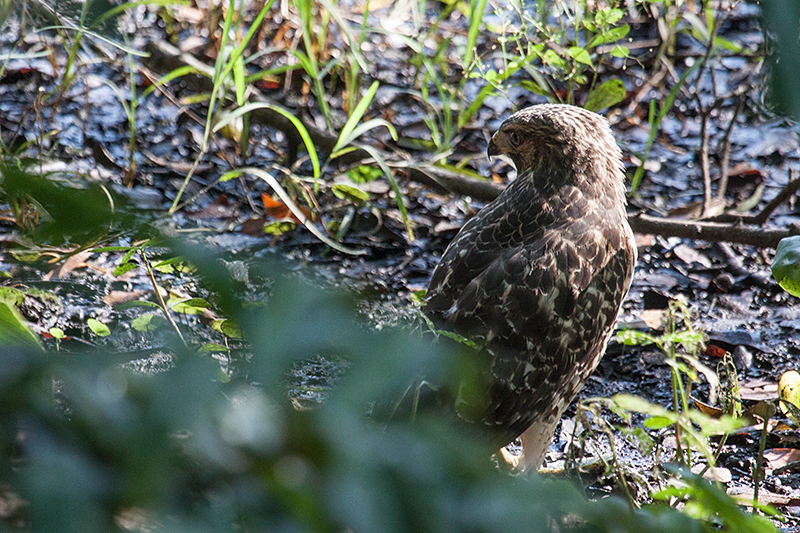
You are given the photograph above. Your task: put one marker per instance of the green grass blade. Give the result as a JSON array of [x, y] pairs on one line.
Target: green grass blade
[[393, 183], [477, 7], [227, 118], [355, 117], [665, 107], [286, 199]]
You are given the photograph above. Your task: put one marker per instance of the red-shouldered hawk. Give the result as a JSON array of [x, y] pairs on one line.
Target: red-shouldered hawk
[[538, 276]]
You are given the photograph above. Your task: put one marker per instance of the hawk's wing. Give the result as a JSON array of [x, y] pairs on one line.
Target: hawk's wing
[[543, 309]]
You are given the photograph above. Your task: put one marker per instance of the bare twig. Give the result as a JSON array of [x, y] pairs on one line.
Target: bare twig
[[761, 218], [160, 298], [722, 187], [704, 165], [783, 196]]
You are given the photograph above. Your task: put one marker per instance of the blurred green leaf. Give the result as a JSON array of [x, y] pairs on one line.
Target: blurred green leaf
[[148, 322], [14, 331]]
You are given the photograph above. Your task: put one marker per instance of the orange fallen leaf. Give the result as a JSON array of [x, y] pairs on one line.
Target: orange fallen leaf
[[712, 350], [279, 210], [708, 409]]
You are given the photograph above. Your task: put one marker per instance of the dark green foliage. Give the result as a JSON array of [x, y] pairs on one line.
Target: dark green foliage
[[196, 454], [60, 208], [782, 18]]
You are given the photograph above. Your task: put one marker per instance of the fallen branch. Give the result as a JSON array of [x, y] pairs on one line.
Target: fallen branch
[[165, 57], [711, 231]]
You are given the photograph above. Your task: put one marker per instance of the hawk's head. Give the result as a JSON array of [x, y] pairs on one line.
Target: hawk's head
[[560, 141]]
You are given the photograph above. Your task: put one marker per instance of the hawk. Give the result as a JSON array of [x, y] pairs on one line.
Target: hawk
[[538, 276]]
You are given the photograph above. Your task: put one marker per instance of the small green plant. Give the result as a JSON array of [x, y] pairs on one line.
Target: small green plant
[[229, 71], [680, 343], [168, 302], [565, 56]]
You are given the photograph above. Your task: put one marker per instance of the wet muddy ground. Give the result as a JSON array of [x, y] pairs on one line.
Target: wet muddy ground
[[728, 287]]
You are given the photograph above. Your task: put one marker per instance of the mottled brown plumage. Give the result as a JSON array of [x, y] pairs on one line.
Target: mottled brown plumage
[[538, 276]]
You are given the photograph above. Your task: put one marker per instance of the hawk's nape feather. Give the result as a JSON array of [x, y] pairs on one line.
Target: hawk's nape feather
[[538, 276]]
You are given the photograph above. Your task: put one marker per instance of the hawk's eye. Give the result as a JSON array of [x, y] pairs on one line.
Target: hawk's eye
[[515, 138]]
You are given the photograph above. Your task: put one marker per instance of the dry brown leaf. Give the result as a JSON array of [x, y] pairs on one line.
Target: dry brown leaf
[[654, 318], [119, 297], [762, 410], [715, 473], [779, 458], [278, 210], [707, 409], [758, 389], [745, 496], [74, 261], [712, 350]]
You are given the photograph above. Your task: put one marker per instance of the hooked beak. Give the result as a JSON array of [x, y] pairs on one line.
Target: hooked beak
[[493, 149]]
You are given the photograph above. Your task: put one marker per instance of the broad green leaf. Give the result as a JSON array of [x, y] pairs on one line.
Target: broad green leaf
[[99, 329], [212, 347], [640, 405], [608, 17], [192, 306], [137, 303], [174, 264], [25, 256], [580, 55], [534, 87], [279, 227], [605, 95], [553, 59], [658, 422], [148, 322], [123, 268], [12, 296], [14, 331], [632, 337], [349, 192], [364, 174], [57, 333], [127, 257], [789, 394], [786, 266], [227, 327], [620, 51], [610, 36]]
